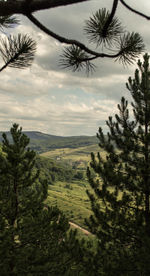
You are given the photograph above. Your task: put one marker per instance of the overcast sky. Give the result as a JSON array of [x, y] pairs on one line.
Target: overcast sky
[[59, 102]]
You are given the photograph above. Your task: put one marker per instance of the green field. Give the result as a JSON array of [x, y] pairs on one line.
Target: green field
[[80, 155], [71, 198]]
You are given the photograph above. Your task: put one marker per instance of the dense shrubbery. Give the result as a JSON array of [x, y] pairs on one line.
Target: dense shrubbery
[[54, 171]]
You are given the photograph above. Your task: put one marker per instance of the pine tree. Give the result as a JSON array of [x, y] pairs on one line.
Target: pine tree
[[33, 237], [120, 196]]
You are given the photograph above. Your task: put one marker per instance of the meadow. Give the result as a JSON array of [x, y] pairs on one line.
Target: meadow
[[70, 196], [78, 156]]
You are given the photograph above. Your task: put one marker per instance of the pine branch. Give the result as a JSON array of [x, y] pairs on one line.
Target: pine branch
[[62, 39], [8, 22], [97, 31], [78, 56], [17, 52]]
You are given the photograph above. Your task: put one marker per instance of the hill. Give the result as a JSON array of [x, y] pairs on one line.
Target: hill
[[41, 142], [66, 189], [77, 158]]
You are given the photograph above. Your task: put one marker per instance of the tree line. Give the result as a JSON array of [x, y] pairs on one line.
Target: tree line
[[54, 171]]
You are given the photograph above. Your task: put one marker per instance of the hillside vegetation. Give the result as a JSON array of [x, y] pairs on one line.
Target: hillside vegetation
[[63, 162], [64, 167], [67, 188], [71, 198], [65, 170], [77, 158], [41, 142]]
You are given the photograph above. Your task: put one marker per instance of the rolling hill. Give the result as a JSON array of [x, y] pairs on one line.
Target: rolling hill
[[41, 142]]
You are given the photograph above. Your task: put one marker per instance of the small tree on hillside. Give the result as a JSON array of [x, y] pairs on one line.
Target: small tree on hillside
[[121, 188], [33, 238]]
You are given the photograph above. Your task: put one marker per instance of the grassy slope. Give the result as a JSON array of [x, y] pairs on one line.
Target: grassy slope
[[72, 201], [81, 154]]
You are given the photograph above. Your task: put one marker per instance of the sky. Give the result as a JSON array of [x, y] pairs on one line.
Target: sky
[[52, 100]]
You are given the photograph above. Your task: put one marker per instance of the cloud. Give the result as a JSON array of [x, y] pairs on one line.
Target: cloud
[[47, 115], [49, 99]]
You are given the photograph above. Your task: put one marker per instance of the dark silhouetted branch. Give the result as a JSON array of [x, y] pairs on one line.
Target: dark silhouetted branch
[[108, 22], [19, 6], [135, 11], [62, 39]]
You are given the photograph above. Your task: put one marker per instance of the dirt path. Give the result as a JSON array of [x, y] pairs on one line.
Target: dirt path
[[86, 232]]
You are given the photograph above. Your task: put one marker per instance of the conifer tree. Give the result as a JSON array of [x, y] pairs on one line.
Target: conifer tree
[[120, 196], [33, 237]]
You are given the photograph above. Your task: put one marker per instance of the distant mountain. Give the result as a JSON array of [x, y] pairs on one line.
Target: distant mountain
[[42, 142], [32, 135]]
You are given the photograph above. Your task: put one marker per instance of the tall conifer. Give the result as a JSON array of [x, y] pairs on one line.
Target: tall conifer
[[33, 237], [121, 185]]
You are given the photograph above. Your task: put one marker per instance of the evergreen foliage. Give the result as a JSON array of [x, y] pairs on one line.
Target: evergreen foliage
[[34, 238], [17, 51], [121, 188]]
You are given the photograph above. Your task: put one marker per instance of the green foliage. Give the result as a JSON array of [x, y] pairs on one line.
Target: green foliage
[[71, 199], [53, 171], [79, 175], [34, 237], [121, 185]]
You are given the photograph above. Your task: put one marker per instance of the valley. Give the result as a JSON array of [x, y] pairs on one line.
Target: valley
[[65, 170], [64, 166]]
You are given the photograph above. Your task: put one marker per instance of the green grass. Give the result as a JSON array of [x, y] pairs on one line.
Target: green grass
[[72, 201], [71, 198], [80, 155]]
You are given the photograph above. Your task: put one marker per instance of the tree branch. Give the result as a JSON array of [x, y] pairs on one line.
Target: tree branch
[[62, 39], [10, 7], [108, 22], [135, 11]]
